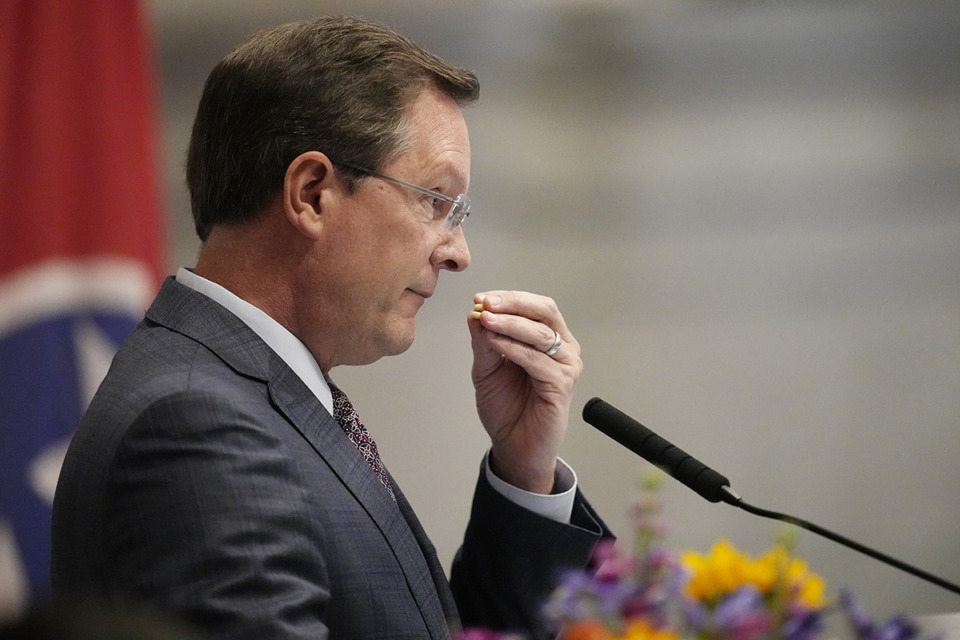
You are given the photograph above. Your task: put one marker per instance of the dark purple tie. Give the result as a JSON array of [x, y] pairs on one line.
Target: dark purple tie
[[346, 415]]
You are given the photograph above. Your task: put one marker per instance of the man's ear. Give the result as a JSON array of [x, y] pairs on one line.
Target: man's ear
[[308, 189]]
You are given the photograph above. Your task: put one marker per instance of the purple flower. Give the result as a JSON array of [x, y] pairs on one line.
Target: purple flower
[[612, 564], [803, 625], [742, 615], [581, 596], [856, 615], [695, 614], [662, 560], [896, 628]]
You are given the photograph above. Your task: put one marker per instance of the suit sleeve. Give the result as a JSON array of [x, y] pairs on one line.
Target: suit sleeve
[[511, 559]]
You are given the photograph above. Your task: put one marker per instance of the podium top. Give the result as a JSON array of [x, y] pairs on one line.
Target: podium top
[[946, 625]]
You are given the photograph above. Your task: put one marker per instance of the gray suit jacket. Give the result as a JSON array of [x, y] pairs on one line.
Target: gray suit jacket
[[207, 478]]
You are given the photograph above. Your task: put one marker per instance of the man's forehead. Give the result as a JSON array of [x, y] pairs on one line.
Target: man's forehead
[[437, 139]]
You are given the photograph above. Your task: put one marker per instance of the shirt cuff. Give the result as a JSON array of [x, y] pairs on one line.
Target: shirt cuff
[[557, 506]]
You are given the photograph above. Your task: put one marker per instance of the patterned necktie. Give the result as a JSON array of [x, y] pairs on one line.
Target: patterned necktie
[[346, 415]]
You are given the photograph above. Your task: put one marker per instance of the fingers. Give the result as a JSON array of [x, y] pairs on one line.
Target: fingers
[[525, 325]]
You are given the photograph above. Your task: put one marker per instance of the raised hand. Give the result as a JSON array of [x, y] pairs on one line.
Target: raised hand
[[523, 394]]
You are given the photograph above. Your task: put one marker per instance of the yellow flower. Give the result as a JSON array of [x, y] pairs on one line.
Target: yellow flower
[[771, 565], [725, 569], [640, 630], [808, 587], [802, 585]]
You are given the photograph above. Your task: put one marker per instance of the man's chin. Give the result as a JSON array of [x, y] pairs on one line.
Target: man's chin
[[404, 342], [399, 338]]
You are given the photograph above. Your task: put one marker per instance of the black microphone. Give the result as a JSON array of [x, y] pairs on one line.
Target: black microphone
[[651, 447], [710, 484]]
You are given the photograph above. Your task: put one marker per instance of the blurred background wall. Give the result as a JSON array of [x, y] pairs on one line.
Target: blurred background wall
[[749, 213]]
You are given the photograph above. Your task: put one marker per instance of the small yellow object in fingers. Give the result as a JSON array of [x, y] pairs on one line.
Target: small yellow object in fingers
[[477, 308]]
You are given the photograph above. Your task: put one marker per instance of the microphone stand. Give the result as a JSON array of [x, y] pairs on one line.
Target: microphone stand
[[731, 497]]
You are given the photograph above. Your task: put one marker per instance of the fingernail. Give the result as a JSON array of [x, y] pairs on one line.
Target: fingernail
[[494, 300]]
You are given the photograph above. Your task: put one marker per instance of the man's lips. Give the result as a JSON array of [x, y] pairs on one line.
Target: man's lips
[[424, 293]]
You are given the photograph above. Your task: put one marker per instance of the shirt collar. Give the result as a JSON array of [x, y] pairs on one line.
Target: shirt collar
[[286, 345]]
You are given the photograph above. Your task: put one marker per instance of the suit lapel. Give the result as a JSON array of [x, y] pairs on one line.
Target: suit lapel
[[186, 311], [396, 520]]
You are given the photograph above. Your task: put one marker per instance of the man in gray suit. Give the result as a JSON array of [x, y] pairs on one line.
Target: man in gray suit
[[219, 472]]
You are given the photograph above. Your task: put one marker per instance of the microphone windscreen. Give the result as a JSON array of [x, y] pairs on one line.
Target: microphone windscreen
[[658, 451]]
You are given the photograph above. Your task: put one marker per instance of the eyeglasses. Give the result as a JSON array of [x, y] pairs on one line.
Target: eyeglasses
[[451, 210]]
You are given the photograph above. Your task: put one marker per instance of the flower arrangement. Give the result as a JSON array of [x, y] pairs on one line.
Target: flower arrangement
[[652, 593]]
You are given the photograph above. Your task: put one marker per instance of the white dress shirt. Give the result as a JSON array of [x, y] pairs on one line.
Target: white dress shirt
[[557, 506]]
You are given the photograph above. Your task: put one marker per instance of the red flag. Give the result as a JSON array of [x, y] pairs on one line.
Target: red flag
[[80, 240]]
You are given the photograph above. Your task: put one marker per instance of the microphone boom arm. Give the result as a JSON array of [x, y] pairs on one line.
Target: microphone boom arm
[[836, 537], [711, 485]]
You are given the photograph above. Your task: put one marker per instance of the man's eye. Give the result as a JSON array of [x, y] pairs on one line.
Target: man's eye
[[439, 207]]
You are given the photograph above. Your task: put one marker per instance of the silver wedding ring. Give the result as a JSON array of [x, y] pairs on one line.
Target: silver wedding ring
[[556, 345]]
